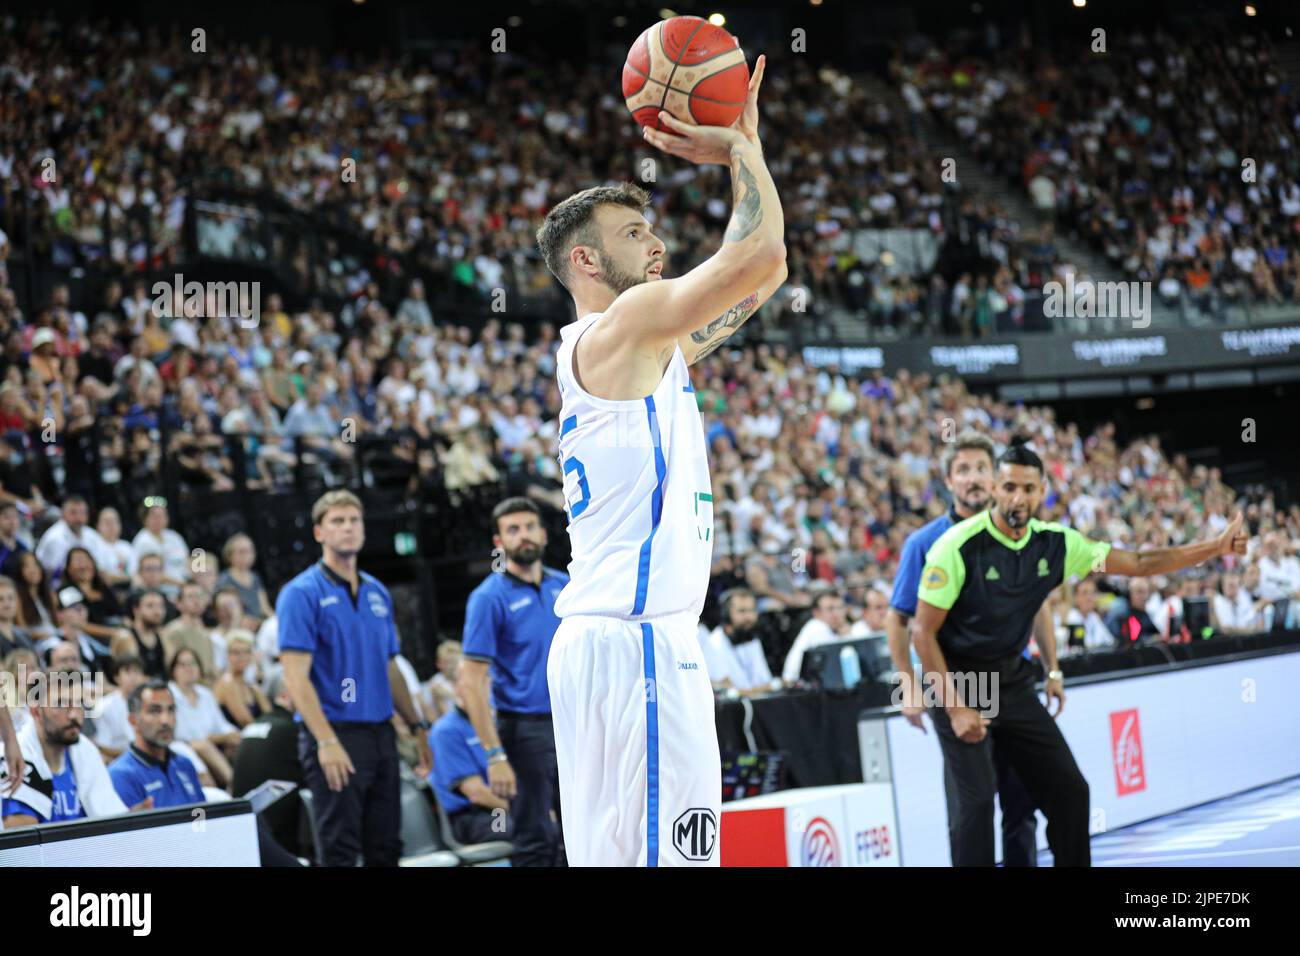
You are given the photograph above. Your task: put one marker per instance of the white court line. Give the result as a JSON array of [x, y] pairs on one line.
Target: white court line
[[1140, 860]]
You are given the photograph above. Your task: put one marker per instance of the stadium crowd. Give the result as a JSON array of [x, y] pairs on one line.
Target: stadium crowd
[[1194, 187], [435, 183]]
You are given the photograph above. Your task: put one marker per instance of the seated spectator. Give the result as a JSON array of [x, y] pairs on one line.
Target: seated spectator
[[1233, 610], [24, 670], [268, 750], [770, 578], [112, 729], [109, 527], [872, 622], [1169, 617], [459, 776], [12, 636], [143, 636], [72, 782], [103, 610], [94, 655], [157, 538], [149, 577], [10, 522], [36, 602], [438, 694], [241, 702], [189, 629], [1132, 623], [199, 722], [68, 532], [1083, 613], [239, 556], [230, 617], [826, 625], [733, 652], [1279, 572]]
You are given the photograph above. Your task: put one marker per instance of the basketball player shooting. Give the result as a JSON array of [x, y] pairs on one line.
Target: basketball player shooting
[[640, 774]]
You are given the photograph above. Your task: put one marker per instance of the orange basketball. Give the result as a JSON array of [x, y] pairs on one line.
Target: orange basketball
[[689, 67]]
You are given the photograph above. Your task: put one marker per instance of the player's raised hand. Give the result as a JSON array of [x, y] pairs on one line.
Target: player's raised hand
[[702, 145], [1235, 537]]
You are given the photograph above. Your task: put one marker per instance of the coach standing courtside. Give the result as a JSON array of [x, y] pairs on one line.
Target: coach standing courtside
[[509, 624], [338, 647]]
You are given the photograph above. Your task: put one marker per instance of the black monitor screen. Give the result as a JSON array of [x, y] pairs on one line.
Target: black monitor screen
[[751, 774]]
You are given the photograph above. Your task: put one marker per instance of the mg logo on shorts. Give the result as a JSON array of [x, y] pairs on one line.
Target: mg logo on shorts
[[695, 834], [821, 847]]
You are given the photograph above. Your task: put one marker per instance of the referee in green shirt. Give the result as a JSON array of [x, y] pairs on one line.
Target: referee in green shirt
[[984, 581]]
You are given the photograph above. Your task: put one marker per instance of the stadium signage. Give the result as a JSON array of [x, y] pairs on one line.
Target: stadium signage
[[1278, 341], [847, 359], [967, 359], [1126, 351]]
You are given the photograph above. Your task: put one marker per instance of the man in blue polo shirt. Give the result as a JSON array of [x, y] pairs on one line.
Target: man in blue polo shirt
[[149, 768], [338, 647], [968, 475], [509, 625], [460, 776]]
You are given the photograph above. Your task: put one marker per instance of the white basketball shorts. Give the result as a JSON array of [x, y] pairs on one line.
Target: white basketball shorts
[[636, 742]]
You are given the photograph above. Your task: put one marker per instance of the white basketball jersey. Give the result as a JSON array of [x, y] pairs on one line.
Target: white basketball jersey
[[637, 491]]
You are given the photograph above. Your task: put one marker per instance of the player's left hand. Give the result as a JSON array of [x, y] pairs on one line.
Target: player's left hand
[[1235, 537], [1055, 689]]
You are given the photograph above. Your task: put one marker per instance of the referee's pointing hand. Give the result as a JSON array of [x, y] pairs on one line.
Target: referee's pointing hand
[[336, 763]]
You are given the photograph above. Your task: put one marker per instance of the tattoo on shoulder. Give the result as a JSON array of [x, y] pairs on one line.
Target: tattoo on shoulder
[[748, 213]]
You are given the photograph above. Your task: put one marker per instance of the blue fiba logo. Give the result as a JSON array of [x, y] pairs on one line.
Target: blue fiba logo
[[820, 845]]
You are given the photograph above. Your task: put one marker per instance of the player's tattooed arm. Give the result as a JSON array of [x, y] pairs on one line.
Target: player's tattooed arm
[[747, 214], [703, 341]]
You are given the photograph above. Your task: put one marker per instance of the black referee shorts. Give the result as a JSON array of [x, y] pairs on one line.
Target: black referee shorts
[[1025, 736]]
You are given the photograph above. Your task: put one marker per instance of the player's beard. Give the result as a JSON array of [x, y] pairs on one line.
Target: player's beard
[[614, 276], [1015, 519]]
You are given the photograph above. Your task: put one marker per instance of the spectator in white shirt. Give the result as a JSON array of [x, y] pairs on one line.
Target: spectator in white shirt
[[1096, 635], [1279, 573], [199, 721], [157, 538], [872, 622], [733, 652], [109, 527], [70, 531], [826, 625], [1233, 610]]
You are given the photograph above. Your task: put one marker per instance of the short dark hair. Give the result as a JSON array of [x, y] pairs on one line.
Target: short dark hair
[[7, 505], [513, 506], [969, 440], [127, 662], [136, 700], [729, 595], [73, 500], [573, 223], [830, 592], [1019, 453], [138, 598], [147, 556]]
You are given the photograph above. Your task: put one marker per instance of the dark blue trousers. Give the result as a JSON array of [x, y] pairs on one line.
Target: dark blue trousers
[[529, 741], [365, 817]]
